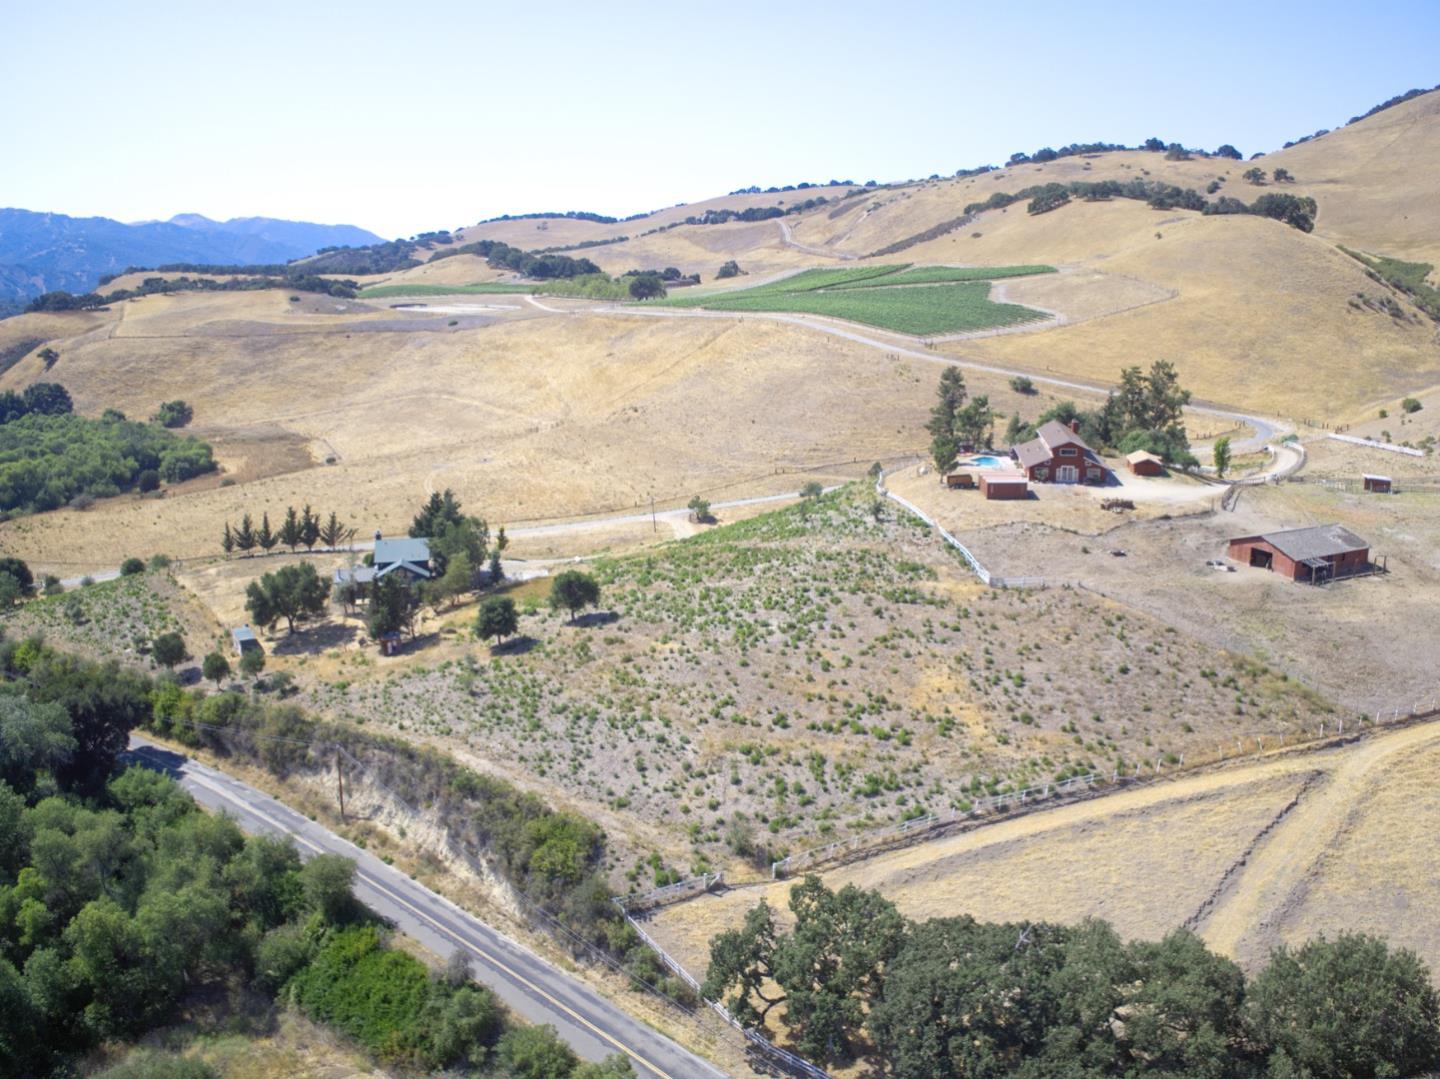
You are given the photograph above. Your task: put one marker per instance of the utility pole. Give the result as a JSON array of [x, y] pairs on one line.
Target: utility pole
[[340, 783]]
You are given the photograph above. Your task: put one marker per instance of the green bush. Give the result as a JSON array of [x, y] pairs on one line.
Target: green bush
[[148, 1064], [173, 414], [535, 1053], [374, 994], [131, 566]]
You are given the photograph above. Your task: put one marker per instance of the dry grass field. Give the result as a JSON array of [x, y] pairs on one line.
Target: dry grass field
[[527, 415], [1250, 856], [530, 415], [1374, 179]]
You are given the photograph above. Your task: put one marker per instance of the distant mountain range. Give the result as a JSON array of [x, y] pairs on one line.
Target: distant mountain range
[[41, 252]]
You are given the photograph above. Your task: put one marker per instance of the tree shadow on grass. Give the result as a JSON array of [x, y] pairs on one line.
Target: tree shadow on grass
[[597, 618], [313, 640], [514, 646]]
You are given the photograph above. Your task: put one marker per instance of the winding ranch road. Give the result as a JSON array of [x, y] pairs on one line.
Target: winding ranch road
[[1265, 430], [530, 986]]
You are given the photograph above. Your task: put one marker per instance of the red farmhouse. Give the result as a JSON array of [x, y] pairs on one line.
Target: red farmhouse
[[1305, 554], [1057, 454]]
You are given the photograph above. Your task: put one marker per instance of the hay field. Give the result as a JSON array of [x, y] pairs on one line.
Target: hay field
[[530, 233], [1250, 855]]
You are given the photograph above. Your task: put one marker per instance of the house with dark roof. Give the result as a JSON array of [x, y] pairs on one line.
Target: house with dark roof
[[408, 557], [405, 555], [1305, 554], [1057, 454]]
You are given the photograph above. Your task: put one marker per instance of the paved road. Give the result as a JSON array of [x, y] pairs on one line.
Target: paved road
[[530, 986]]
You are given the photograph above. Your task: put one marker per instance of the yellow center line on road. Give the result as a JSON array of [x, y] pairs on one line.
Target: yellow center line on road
[[445, 931]]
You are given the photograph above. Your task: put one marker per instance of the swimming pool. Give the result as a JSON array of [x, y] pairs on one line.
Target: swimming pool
[[986, 461]]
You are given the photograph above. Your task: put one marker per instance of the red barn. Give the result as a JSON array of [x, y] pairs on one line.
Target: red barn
[[1305, 554], [1004, 487], [1057, 454]]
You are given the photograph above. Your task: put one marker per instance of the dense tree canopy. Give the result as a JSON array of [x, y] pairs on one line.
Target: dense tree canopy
[[954, 997], [118, 897], [47, 460]]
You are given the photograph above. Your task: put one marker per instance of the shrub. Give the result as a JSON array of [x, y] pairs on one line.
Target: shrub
[[729, 269], [173, 414], [535, 1053], [148, 480], [131, 566], [252, 663], [1410, 404]]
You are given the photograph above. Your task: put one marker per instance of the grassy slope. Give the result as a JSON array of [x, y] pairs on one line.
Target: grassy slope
[[1375, 180], [818, 672], [377, 292]]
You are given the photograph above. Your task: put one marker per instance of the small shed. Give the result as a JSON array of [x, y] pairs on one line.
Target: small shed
[[1379, 485], [244, 640], [1144, 464], [1004, 487], [960, 479], [389, 643]]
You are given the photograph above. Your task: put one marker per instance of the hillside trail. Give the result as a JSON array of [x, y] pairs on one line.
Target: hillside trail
[[788, 239], [1244, 920]]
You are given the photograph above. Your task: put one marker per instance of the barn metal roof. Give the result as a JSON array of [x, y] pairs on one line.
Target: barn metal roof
[[1321, 541]]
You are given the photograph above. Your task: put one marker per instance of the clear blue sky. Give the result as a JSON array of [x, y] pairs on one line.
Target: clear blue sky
[[405, 117]]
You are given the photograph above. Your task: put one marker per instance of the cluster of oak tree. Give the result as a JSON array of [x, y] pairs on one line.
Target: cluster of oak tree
[[1146, 412], [952, 997]]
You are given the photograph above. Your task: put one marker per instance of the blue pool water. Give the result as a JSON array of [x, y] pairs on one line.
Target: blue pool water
[[985, 461]]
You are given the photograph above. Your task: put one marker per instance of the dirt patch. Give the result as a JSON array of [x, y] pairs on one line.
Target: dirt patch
[[1365, 643]]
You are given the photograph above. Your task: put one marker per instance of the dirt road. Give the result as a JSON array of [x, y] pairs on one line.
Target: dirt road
[[1245, 919]]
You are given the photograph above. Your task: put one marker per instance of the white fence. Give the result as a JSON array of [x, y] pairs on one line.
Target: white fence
[[1376, 444], [965, 553], [671, 893], [904, 830]]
